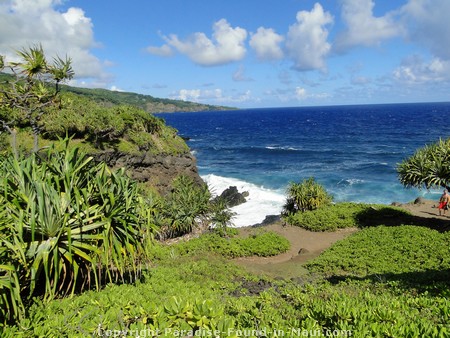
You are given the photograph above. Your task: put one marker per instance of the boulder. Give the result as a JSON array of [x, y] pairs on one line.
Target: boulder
[[419, 200], [233, 197]]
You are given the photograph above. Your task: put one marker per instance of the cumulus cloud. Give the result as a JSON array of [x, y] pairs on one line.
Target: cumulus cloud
[[414, 70], [306, 40], [427, 21], [363, 28], [266, 44], [26, 23], [227, 45]]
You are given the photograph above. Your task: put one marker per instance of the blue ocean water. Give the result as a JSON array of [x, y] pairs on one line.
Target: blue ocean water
[[352, 151]]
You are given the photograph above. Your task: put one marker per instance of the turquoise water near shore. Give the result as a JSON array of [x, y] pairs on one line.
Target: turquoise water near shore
[[352, 151]]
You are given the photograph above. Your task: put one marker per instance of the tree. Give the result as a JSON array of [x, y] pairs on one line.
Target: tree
[[428, 167], [35, 86], [307, 195]]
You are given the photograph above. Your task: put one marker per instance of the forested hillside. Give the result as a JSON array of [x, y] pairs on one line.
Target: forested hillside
[[146, 102]]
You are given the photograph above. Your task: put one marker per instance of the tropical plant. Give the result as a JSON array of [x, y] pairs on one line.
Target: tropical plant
[[29, 95], [428, 167], [186, 207], [221, 216], [307, 195], [64, 221]]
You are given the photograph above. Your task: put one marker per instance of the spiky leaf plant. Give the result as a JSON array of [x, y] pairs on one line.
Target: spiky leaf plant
[[66, 223], [304, 196]]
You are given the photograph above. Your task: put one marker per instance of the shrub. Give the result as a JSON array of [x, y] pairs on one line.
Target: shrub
[[307, 195]]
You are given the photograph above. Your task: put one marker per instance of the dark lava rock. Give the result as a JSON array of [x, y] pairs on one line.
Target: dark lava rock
[[419, 200], [233, 197], [270, 219]]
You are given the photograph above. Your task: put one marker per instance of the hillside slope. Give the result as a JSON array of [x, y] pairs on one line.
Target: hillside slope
[[121, 135], [146, 102]]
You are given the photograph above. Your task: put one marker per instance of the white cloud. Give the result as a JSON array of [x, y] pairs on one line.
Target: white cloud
[[116, 89], [227, 45], [306, 40], [300, 93], [266, 44], [25, 23], [427, 21], [363, 28], [414, 71], [213, 96], [188, 95], [163, 51]]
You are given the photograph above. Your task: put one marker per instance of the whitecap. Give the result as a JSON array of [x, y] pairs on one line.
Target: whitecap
[[350, 181], [261, 201]]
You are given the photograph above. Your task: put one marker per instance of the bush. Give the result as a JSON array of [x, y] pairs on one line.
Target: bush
[[307, 195]]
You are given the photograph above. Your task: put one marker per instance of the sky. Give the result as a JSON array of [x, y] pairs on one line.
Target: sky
[[244, 53]]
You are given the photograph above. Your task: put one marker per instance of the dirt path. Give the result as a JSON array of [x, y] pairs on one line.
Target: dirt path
[[306, 245]]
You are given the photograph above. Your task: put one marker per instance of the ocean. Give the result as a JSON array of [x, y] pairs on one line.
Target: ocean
[[353, 151]]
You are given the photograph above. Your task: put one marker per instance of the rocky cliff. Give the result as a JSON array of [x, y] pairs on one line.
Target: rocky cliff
[[158, 171]]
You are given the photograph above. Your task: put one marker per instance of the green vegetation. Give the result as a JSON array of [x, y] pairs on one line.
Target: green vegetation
[[389, 253], [33, 111], [428, 167], [263, 244], [25, 99], [193, 290], [64, 219], [124, 128], [72, 230], [346, 215], [147, 103], [307, 195]]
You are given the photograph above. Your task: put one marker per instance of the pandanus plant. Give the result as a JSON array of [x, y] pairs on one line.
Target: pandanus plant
[[66, 223], [427, 167]]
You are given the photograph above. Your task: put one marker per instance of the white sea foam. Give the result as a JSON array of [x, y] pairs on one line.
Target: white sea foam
[[260, 202], [282, 148]]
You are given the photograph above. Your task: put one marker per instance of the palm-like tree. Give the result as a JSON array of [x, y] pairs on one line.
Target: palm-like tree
[[33, 62], [30, 92], [428, 167], [61, 70]]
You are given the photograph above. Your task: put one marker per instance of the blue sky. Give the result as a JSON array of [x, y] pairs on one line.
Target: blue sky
[[245, 53]]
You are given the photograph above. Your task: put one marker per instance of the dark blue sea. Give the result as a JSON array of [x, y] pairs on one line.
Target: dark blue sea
[[353, 151]]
